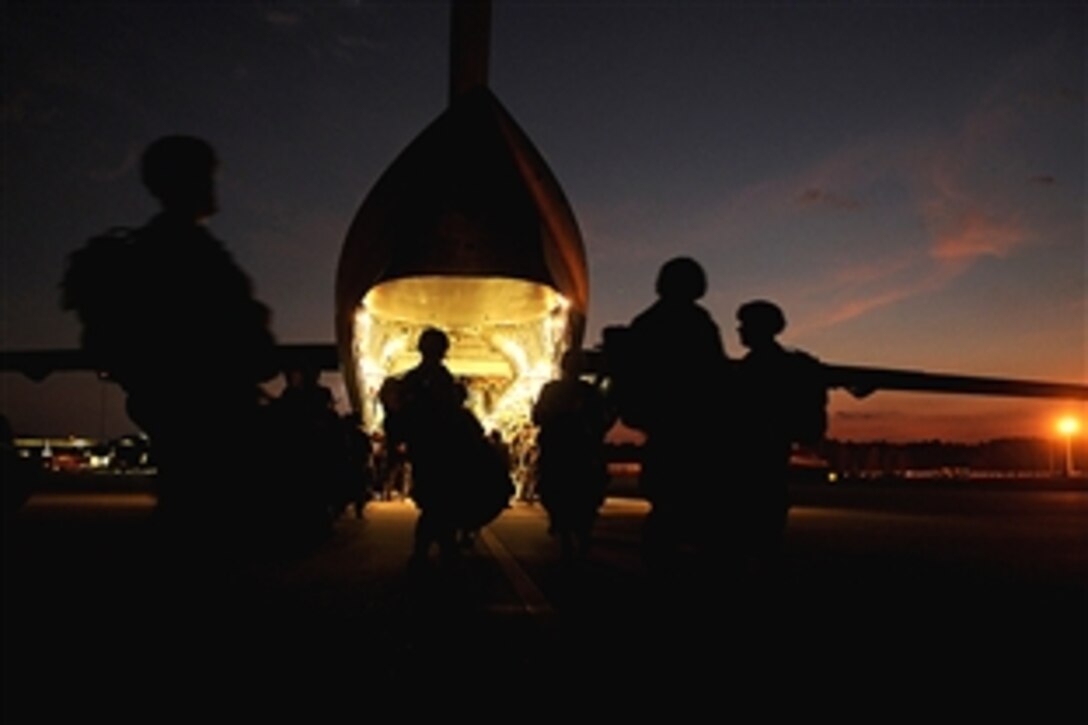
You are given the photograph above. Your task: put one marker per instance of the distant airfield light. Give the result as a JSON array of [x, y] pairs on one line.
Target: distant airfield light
[[1068, 425]]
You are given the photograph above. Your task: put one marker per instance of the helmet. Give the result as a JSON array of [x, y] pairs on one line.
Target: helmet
[[178, 171], [681, 278], [762, 316], [433, 343], [172, 160]]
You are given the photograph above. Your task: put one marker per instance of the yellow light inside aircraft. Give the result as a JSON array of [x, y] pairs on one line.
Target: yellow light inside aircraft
[[506, 339]]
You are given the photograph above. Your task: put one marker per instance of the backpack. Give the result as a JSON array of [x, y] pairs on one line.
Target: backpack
[[808, 399], [96, 286]]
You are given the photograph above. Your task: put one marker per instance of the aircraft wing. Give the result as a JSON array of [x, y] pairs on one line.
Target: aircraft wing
[[39, 364], [862, 381], [859, 381]]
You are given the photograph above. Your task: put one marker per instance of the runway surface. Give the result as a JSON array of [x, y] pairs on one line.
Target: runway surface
[[924, 601]]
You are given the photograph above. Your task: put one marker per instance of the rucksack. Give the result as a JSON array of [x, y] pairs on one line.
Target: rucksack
[[96, 286], [808, 399]]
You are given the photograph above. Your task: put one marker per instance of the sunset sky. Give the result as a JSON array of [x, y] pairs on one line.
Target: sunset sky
[[906, 179]]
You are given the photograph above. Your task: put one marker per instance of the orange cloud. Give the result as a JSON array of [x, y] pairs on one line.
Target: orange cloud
[[860, 306], [975, 234], [870, 271], [870, 287]]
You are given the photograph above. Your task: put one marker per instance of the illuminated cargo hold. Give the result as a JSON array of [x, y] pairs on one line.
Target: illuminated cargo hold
[[467, 231]]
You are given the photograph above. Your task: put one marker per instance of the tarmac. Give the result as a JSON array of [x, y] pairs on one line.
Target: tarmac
[[874, 617]]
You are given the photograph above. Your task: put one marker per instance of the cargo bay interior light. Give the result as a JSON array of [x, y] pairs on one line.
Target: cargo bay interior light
[[506, 338], [469, 231]]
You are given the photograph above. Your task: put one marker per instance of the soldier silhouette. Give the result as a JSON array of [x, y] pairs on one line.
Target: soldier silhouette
[[168, 315], [669, 385], [427, 419], [310, 438], [20, 474], [304, 396], [781, 401], [459, 481], [573, 416], [359, 476]]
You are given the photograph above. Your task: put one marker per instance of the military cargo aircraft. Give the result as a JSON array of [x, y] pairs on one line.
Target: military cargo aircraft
[[468, 230]]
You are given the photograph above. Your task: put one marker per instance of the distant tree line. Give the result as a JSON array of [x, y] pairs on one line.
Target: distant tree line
[[1002, 454]]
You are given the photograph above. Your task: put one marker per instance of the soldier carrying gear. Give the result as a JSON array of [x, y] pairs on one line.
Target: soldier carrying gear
[[781, 401], [669, 385]]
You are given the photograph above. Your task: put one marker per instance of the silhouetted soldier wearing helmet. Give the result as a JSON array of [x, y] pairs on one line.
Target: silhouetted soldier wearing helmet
[[677, 365], [168, 314], [453, 483], [782, 401], [420, 416], [572, 416]]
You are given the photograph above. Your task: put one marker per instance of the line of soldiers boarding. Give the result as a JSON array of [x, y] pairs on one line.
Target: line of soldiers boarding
[[167, 314], [668, 376]]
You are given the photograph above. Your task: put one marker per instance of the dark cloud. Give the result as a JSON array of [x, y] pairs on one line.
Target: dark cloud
[[819, 197], [282, 18], [13, 109], [1071, 95], [358, 41], [1043, 180], [26, 107], [127, 164]]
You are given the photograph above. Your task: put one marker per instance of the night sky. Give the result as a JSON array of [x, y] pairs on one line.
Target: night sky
[[906, 179]]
